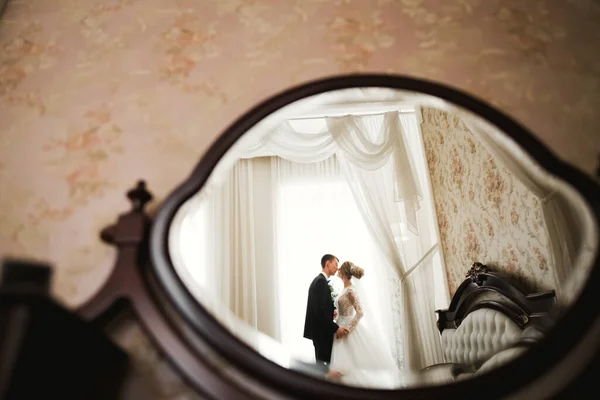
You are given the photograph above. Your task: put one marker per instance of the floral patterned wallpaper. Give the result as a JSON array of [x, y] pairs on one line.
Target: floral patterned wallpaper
[[95, 94], [484, 213]]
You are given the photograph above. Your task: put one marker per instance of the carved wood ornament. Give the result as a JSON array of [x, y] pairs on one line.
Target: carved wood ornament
[[519, 306], [131, 284]]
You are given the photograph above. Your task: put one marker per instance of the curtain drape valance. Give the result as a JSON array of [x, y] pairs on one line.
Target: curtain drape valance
[[365, 143]]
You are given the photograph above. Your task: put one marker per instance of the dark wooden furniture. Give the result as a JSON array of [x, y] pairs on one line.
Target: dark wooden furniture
[[46, 351], [522, 308], [132, 285]]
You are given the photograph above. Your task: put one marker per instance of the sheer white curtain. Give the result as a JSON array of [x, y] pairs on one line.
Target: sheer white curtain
[[361, 142], [425, 280], [228, 245], [409, 254], [316, 214], [384, 219]]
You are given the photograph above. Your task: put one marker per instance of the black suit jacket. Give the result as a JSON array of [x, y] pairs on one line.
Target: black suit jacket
[[319, 325]]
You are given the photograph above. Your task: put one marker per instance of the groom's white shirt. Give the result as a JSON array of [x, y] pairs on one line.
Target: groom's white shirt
[[325, 275]]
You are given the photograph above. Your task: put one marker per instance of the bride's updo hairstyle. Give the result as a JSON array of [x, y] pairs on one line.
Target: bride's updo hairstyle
[[349, 270]]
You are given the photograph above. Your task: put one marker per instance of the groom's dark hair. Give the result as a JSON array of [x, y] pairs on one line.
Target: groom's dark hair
[[328, 257]]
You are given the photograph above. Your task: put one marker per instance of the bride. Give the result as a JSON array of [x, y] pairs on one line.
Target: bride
[[360, 349]]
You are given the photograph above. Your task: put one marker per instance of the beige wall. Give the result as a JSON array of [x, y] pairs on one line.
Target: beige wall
[[95, 94], [485, 214]]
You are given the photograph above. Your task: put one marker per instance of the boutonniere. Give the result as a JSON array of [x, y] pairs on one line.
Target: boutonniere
[[334, 294]]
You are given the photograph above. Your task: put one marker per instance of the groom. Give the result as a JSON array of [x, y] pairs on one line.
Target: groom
[[319, 326]]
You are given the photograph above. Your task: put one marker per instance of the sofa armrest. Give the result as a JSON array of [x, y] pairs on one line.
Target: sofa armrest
[[448, 371]]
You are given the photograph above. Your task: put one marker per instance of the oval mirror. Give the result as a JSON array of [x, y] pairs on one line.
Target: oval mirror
[[377, 232]]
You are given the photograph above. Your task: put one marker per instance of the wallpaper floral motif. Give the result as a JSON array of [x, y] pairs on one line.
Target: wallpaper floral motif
[[95, 94], [484, 213]]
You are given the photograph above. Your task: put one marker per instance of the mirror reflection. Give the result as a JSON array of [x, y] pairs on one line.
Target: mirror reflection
[[383, 239]]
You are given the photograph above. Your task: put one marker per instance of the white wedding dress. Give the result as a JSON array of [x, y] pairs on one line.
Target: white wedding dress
[[361, 357]]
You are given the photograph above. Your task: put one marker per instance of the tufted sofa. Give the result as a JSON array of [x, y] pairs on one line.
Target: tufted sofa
[[482, 333], [490, 321]]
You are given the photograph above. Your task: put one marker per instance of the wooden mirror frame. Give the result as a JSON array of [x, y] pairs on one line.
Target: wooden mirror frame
[[179, 325]]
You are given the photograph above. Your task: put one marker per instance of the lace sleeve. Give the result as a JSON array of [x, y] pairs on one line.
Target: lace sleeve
[[355, 301]]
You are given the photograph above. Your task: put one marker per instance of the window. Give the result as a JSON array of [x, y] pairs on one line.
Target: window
[[315, 216]]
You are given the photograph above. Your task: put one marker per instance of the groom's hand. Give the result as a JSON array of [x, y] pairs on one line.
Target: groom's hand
[[341, 332], [334, 375], [335, 315]]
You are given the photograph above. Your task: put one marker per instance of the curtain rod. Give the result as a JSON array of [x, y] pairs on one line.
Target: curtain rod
[[379, 107]]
